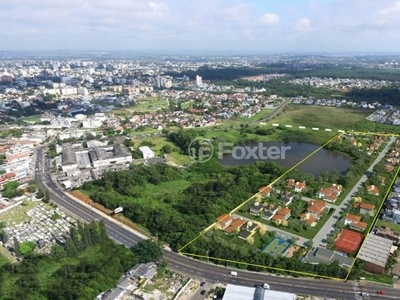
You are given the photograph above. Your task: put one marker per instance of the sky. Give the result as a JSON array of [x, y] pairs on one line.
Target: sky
[[202, 26]]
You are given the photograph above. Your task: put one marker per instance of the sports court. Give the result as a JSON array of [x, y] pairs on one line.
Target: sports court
[[278, 246], [349, 241]]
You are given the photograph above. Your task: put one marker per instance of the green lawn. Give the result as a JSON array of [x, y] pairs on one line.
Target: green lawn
[[35, 119], [318, 116], [390, 225], [379, 278], [235, 240], [258, 117]]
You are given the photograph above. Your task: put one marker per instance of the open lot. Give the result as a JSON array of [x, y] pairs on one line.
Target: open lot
[[321, 117]]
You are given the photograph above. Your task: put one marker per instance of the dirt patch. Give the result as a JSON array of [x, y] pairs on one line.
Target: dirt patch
[[81, 196], [291, 251]]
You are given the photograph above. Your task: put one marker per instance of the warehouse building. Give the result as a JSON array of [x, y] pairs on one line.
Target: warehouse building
[[375, 252], [237, 292]]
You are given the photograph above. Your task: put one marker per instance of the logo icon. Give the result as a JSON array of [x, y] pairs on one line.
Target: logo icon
[[201, 150]]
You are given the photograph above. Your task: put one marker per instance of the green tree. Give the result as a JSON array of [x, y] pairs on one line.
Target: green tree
[[147, 251], [39, 194], [46, 198], [27, 247]]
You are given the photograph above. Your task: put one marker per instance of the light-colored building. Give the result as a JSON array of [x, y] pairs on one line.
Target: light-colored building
[[199, 80], [375, 252], [147, 152], [237, 292]]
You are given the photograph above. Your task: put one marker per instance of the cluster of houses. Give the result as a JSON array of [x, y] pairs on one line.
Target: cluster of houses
[[280, 213], [393, 159], [244, 229]]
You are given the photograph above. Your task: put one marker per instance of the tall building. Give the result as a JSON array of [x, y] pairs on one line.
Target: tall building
[[199, 80]]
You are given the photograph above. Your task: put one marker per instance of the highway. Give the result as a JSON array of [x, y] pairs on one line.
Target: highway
[[212, 273]]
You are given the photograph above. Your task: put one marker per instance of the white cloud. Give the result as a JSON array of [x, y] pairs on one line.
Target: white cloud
[[303, 25], [393, 9], [268, 19]]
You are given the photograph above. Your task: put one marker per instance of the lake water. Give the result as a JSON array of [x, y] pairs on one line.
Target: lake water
[[322, 160]]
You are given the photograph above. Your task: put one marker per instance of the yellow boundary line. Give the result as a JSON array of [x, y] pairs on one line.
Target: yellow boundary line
[[375, 219], [273, 182], [261, 266]]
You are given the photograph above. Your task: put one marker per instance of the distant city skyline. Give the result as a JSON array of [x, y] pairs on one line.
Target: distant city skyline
[[202, 27]]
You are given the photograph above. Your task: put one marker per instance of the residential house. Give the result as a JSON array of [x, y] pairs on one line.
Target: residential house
[[223, 221], [331, 193], [269, 211], [265, 191], [281, 216], [248, 230], [389, 168], [388, 233], [355, 222], [373, 190], [297, 186], [286, 198], [365, 208], [235, 226], [256, 208], [309, 219], [396, 216], [382, 179], [316, 208]]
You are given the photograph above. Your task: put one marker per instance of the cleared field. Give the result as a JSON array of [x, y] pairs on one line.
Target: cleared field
[[321, 117], [257, 117]]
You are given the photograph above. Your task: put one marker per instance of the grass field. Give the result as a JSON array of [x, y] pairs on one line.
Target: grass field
[[160, 142], [237, 121], [318, 116], [150, 105], [32, 119]]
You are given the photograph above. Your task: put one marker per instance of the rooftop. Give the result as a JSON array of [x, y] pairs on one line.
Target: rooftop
[[236, 292], [376, 250]]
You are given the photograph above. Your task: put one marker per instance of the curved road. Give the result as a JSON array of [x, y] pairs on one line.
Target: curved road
[[199, 269]]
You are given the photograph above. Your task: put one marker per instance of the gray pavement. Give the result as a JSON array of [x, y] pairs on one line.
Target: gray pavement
[[328, 226]]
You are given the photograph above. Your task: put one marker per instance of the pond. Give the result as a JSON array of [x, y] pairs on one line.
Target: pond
[[287, 155]]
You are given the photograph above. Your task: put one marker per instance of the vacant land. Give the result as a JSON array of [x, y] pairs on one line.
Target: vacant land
[[321, 117]]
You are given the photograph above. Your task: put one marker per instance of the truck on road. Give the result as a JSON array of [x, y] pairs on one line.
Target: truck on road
[[233, 273]]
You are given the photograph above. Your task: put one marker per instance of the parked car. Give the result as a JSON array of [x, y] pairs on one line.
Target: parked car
[[380, 292]]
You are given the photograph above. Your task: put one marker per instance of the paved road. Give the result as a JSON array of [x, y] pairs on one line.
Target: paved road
[[320, 238], [194, 268]]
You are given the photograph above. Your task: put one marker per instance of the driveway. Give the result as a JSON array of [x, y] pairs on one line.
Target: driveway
[[328, 226]]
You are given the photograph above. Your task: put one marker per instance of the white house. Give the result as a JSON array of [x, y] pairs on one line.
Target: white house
[[147, 152]]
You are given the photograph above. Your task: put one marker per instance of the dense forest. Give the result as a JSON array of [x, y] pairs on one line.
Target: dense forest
[[88, 263]]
